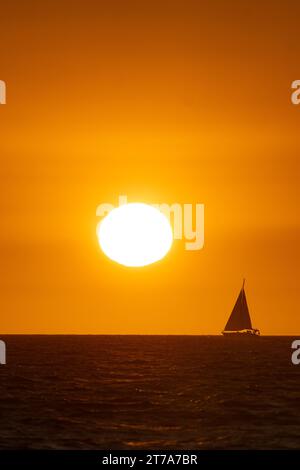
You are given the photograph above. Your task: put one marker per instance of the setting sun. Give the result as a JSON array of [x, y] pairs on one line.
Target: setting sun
[[135, 235]]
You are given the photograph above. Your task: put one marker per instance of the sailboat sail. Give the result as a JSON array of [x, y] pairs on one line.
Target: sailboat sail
[[240, 317]]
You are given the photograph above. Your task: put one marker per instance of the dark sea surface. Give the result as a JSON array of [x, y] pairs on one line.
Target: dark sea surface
[[149, 392]]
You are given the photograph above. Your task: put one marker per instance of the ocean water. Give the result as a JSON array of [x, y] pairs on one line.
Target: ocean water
[[149, 392]]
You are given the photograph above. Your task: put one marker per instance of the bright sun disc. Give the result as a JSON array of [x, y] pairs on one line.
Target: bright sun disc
[[135, 234]]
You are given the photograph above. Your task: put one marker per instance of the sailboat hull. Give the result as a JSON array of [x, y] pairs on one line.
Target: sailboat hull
[[252, 333]]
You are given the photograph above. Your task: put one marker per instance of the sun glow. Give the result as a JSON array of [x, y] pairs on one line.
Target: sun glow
[[135, 235]]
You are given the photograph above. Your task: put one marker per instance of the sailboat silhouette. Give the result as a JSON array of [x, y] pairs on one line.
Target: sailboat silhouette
[[239, 322]]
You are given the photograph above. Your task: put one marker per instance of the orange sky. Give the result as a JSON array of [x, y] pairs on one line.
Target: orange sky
[[170, 101]]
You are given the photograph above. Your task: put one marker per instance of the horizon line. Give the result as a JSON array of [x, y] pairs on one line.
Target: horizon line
[[134, 334]]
